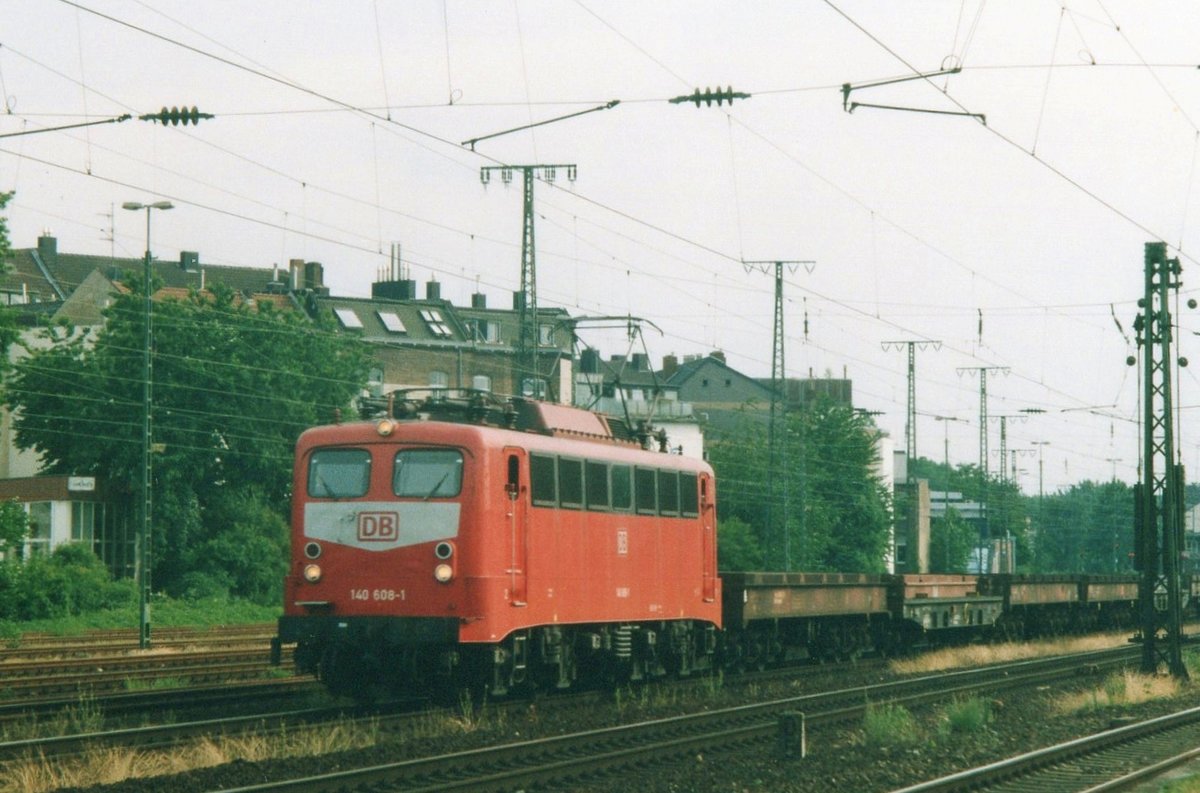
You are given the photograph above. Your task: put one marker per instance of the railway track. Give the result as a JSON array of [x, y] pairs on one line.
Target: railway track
[[1116, 760], [185, 699], [576, 758]]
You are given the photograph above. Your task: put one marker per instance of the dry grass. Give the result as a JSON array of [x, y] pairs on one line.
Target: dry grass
[[36, 774], [983, 654], [1119, 690]]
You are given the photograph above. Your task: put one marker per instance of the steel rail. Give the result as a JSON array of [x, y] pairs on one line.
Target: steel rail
[[570, 757], [1165, 741]]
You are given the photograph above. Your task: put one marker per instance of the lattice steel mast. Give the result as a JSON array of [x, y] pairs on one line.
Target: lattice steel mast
[[910, 421], [1158, 525], [528, 334], [776, 445]]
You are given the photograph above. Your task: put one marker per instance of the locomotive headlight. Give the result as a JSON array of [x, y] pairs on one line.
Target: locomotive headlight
[[312, 573], [385, 427], [443, 573]]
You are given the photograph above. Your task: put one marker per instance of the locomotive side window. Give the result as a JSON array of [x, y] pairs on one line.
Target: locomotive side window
[[668, 492], [596, 485], [644, 480], [339, 473], [427, 473], [570, 483], [622, 488], [689, 503], [543, 480]]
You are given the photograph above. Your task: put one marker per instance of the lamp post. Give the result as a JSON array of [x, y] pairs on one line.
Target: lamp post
[[143, 547]]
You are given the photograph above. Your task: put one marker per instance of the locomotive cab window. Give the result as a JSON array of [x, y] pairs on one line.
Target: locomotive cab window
[[427, 473], [339, 473]]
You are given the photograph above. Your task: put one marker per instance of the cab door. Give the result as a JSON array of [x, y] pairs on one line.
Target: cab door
[[516, 494], [708, 517]]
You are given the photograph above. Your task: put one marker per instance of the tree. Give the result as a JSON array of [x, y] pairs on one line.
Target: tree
[[14, 528], [234, 385], [951, 541], [1088, 528], [838, 509]]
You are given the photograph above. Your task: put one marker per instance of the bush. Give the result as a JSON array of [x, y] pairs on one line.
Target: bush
[[965, 716], [69, 582], [887, 726]]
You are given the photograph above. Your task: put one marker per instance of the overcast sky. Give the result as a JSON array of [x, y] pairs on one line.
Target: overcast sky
[[1016, 244]]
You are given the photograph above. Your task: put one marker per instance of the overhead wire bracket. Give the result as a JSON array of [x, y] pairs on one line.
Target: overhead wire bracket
[[606, 106], [850, 107]]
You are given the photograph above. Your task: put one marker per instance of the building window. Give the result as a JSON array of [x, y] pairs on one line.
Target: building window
[[439, 379], [704, 382], [546, 335], [481, 382], [348, 318], [83, 522], [437, 326], [391, 320], [485, 330], [39, 528]]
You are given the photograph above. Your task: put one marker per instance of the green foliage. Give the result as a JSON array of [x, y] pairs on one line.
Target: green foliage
[[14, 527], [888, 726], [234, 385], [838, 510], [1088, 529], [964, 716], [248, 552], [951, 540], [740, 549], [70, 582]]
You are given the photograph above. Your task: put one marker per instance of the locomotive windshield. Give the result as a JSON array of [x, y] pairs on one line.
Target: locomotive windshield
[[339, 473], [427, 473]]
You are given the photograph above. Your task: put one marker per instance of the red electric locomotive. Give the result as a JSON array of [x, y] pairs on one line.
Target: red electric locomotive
[[468, 543]]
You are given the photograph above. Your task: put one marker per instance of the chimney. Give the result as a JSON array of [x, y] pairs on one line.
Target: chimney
[[589, 361], [670, 365], [189, 261], [295, 268], [518, 300], [314, 275], [640, 362], [478, 300], [433, 290], [48, 248], [717, 355]]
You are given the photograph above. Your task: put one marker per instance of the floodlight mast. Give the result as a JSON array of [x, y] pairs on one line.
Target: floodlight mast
[[144, 534]]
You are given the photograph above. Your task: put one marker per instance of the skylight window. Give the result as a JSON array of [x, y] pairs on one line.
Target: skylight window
[[348, 318], [392, 322], [433, 320]]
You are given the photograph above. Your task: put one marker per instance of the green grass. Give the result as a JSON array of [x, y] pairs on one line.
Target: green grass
[[164, 613], [889, 726], [964, 716]]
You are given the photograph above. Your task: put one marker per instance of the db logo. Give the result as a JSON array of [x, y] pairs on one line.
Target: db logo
[[378, 526]]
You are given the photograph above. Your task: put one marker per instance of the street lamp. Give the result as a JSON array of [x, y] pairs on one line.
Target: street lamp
[[143, 547]]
